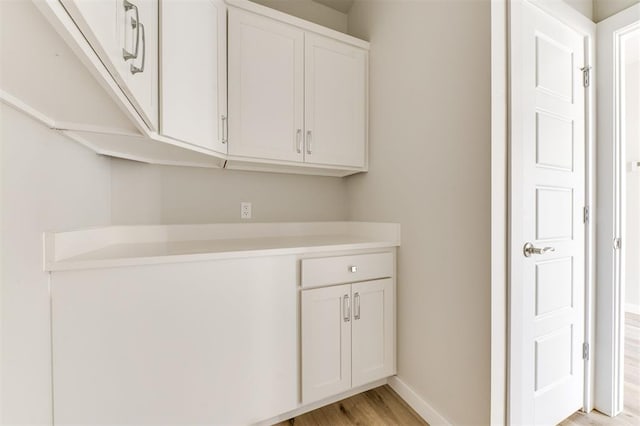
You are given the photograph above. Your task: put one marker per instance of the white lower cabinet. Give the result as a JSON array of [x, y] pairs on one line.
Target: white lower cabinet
[[211, 342], [348, 337], [221, 342]]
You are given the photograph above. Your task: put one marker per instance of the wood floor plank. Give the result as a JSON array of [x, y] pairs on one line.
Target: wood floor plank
[[377, 407]]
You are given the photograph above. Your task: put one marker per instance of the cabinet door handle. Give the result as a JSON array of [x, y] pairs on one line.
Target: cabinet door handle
[[299, 141], [134, 24], [224, 129], [134, 69], [356, 306], [309, 142], [346, 308]]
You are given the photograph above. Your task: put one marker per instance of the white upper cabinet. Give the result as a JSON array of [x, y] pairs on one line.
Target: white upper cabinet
[[193, 72], [335, 102], [295, 95], [213, 83], [124, 34], [266, 65]]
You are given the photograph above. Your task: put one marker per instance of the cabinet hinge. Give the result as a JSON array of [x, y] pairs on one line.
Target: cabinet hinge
[[586, 76], [617, 243], [585, 351], [585, 214]]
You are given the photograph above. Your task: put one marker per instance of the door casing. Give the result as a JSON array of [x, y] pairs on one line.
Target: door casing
[[609, 318]]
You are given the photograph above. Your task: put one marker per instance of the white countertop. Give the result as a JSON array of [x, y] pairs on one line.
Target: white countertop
[[143, 245]]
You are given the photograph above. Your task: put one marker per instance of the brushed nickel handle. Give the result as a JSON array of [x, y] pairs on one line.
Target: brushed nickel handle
[[224, 129], [299, 141], [356, 306], [134, 24], [346, 308], [134, 69], [309, 139], [353, 268], [530, 250]]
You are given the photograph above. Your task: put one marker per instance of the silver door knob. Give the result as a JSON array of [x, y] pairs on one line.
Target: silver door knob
[[529, 250], [353, 269]]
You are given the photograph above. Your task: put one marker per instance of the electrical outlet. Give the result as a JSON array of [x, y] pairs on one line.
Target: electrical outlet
[[245, 210]]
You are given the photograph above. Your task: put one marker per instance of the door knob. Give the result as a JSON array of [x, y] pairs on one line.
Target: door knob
[[529, 250]]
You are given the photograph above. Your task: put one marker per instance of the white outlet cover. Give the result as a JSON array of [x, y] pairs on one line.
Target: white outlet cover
[[245, 210]]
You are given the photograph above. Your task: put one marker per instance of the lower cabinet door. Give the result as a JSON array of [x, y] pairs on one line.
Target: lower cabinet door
[[326, 342], [372, 331]]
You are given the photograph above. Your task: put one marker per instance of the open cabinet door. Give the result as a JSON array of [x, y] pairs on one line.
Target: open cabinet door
[[609, 351]]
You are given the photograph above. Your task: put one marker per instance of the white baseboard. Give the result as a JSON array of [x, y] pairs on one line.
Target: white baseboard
[[415, 401], [634, 309]]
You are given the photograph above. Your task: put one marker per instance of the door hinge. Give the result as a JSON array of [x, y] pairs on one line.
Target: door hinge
[[617, 243], [585, 351], [586, 76], [585, 214]]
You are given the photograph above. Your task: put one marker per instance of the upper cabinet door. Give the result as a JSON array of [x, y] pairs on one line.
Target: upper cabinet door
[[373, 344], [193, 72], [335, 102], [265, 88], [124, 34]]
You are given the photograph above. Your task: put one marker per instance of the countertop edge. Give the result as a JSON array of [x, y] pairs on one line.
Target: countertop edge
[[200, 257]]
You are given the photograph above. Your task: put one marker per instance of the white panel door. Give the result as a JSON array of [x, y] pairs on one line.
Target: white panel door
[[548, 181], [197, 343], [326, 342], [266, 98], [335, 102], [372, 331], [193, 71], [124, 34]]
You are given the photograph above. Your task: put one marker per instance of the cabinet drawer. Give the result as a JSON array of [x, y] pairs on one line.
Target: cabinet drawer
[[344, 269]]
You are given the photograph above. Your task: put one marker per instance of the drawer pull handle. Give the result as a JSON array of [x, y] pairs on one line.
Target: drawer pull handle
[[353, 268], [346, 308]]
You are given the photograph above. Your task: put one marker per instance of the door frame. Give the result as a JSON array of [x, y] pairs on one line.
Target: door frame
[[609, 348], [501, 271]]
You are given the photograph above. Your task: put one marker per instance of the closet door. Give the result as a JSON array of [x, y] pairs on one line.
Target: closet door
[[265, 88], [335, 102]]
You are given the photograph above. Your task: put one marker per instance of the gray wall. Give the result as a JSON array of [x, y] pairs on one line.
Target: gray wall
[[583, 6], [430, 171], [145, 194], [602, 9], [311, 11]]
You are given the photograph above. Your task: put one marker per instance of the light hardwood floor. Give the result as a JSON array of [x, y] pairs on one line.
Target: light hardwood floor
[[631, 413], [377, 407]]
